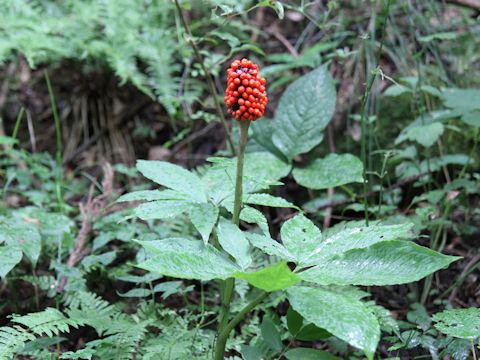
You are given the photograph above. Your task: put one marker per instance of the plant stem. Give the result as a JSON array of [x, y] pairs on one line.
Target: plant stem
[[363, 112], [223, 336], [210, 82], [237, 207], [18, 121], [58, 152]]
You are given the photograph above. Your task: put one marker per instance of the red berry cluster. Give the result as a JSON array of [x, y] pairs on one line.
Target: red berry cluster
[[245, 95]]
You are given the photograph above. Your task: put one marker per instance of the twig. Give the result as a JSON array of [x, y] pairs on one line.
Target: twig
[[330, 191], [210, 82], [472, 4], [90, 210], [275, 31]]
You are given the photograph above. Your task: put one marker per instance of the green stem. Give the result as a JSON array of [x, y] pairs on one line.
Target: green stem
[[223, 335], [18, 122], [58, 152], [363, 113], [237, 207]]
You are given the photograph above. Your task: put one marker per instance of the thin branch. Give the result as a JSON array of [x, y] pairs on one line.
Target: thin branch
[[210, 82], [472, 4]]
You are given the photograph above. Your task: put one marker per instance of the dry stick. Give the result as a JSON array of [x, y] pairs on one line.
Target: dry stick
[[210, 82], [89, 210]]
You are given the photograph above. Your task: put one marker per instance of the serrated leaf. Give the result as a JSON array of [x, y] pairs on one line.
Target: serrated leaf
[[425, 135], [357, 237], [203, 217], [345, 317], [254, 216], [385, 263], [173, 177], [300, 237], [261, 170], [9, 257], [234, 242], [270, 246], [189, 259], [304, 110], [268, 200], [162, 209], [272, 278], [309, 354], [331, 171], [460, 323]]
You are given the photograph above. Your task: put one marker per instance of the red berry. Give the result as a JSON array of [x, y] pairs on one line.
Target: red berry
[[245, 96]]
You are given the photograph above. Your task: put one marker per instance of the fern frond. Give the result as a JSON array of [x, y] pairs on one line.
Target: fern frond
[[48, 322]]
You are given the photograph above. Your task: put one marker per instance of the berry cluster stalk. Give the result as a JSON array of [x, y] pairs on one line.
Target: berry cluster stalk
[[223, 328]]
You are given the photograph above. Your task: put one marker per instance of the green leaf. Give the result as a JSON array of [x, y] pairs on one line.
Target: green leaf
[[301, 332], [309, 354], [162, 209], [331, 171], [425, 135], [136, 293], [385, 263], [397, 89], [304, 110], [269, 246], [463, 99], [254, 216], [268, 200], [150, 195], [438, 36], [270, 334], [203, 217], [460, 323], [272, 278], [340, 314], [357, 237], [23, 234], [9, 257], [251, 352], [189, 259], [261, 170], [300, 237], [234, 242], [472, 118], [275, 5], [173, 177]]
